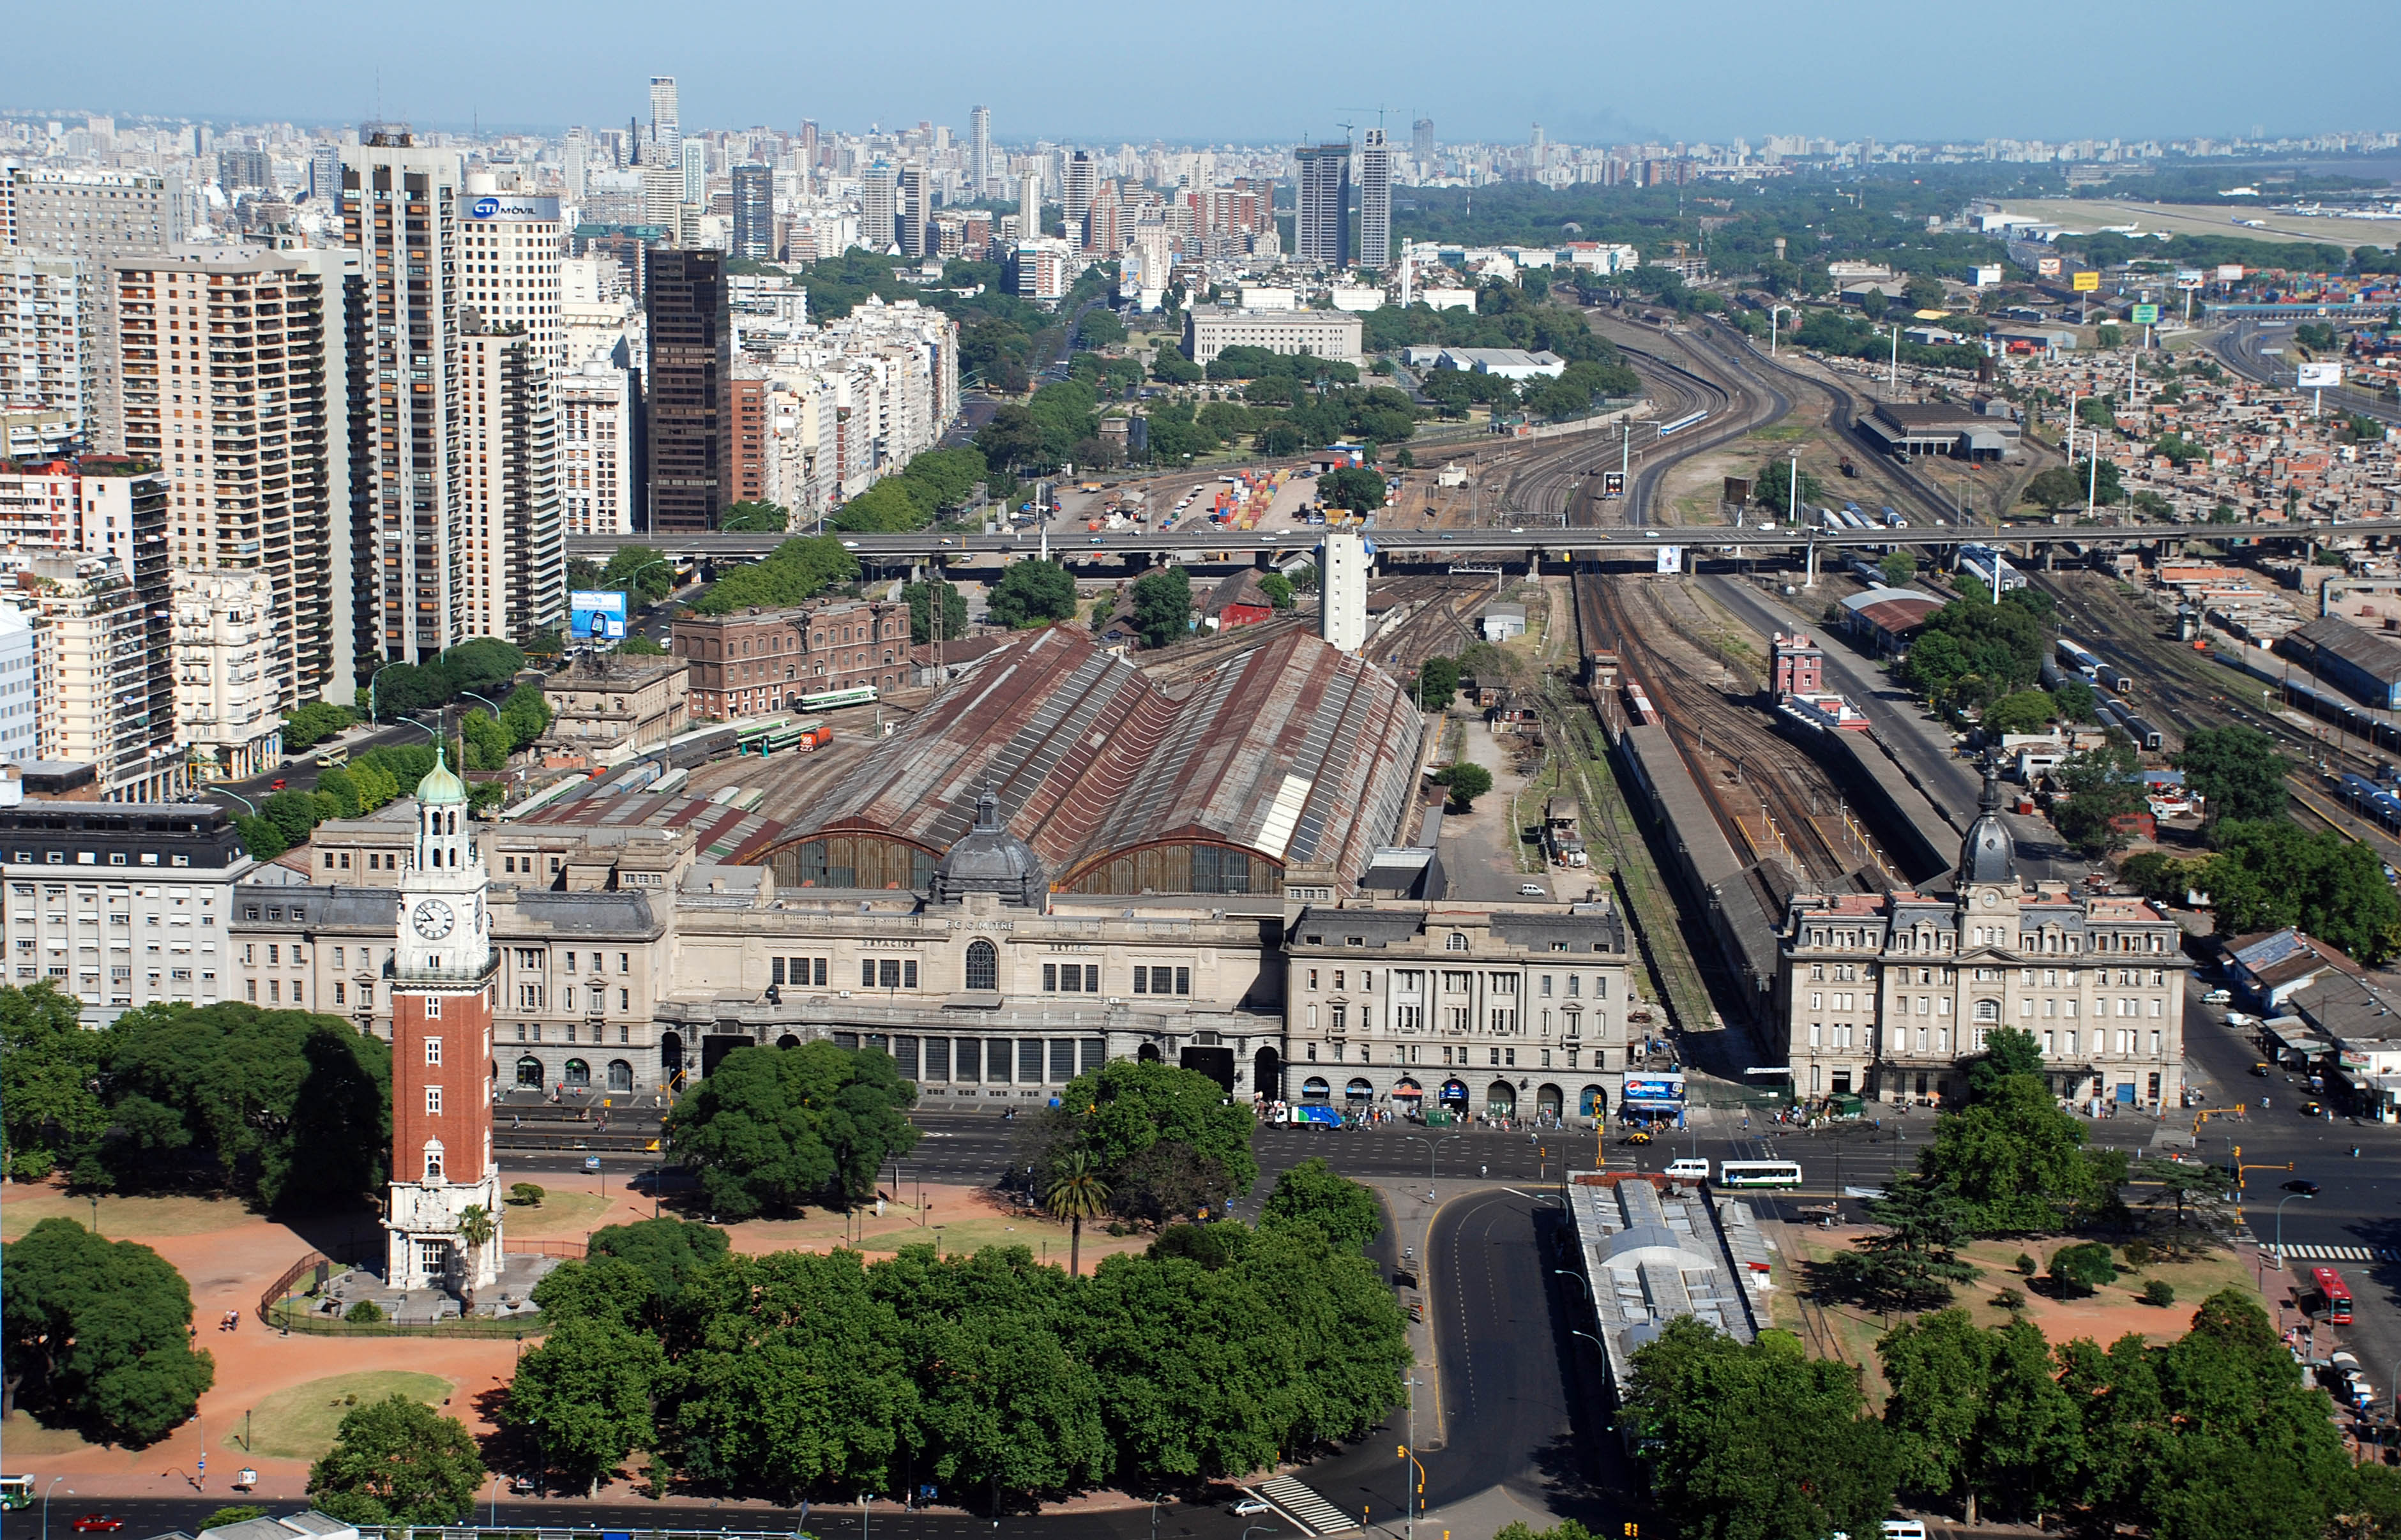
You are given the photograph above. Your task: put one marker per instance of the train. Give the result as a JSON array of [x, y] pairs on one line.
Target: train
[[1687, 420], [2371, 800], [699, 746], [2116, 714], [2114, 680], [1639, 709], [2077, 657]]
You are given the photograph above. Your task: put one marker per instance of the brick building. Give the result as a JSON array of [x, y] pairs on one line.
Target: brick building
[[756, 660]]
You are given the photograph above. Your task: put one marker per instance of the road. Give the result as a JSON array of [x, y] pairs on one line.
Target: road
[[2248, 348]]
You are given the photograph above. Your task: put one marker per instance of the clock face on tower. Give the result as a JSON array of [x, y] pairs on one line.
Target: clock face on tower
[[432, 919]]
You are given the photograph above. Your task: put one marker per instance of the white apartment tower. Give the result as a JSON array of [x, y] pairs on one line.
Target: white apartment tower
[[1342, 574], [400, 212], [878, 207], [1083, 180], [667, 130], [19, 732], [513, 566], [597, 492], [48, 369], [511, 250], [980, 169], [226, 709], [1375, 202], [87, 212]]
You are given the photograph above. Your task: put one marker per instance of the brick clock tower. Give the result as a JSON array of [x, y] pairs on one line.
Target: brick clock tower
[[442, 977]]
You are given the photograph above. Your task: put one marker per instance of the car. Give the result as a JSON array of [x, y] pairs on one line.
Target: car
[[1637, 1136], [2312, 1109], [102, 1523], [1449, 537], [278, 784], [1429, 510], [850, 546], [2303, 1186], [1534, 890], [1650, 534], [1250, 1506], [1097, 539], [2219, 997], [2263, 1069]]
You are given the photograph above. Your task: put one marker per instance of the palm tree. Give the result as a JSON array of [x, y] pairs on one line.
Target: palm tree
[[1077, 1191], [475, 1232]]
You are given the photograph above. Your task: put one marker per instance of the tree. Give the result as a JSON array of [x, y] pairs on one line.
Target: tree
[[2081, 1269], [1032, 593], [638, 646], [1357, 488], [260, 836], [482, 665], [1167, 1140], [312, 723], [587, 1391], [921, 611], [486, 742], [526, 716], [756, 518], [2015, 1160], [1162, 605], [1078, 1190], [1940, 1370], [2104, 485], [2057, 488], [2193, 1198], [2102, 785], [2008, 1050], [241, 1513], [1915, 1260], [1278, 588], [2237, 772], [1467, 781], [2075, 699], [397, 1462], [794, 572], [640, 571], [2022, 712], [98, 1332], [771, 1129], [1437, 682], [1898, 568], [1757, 1440], [1772, 490], [2269, 874], [50, 1106], [667, 1251], [1311, 1193]]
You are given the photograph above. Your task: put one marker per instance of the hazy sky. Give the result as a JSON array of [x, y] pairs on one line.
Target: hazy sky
[[1239, 70]]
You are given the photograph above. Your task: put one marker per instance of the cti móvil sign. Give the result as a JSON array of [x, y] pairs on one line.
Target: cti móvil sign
[[492, 207]]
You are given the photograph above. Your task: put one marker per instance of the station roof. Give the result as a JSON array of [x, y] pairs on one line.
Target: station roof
[[1292, 749], [2363, 650]]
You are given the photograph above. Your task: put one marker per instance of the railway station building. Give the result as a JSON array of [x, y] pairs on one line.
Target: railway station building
[[1888, 996], [757, 661]]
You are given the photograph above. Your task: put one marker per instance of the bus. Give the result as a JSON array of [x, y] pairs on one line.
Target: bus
[[332, 757], [829, 700], [2333, 1296], [1759, 1174], [16, 1491]]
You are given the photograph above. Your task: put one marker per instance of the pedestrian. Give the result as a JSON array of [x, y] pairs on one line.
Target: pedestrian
[[1483, 1171]]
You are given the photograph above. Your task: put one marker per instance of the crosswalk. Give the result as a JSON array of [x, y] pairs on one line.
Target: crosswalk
[[1303, 1507], [2338, 1254]]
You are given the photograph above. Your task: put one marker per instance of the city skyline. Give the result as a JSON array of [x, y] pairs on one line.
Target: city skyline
[[2178, 84]]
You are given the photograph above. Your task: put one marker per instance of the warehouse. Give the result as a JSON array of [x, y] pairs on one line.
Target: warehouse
[[2361, 663], [1290, 754]]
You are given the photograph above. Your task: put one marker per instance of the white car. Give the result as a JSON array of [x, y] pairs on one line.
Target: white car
[[1250, 1506], [1532, 890], [2217, 997]]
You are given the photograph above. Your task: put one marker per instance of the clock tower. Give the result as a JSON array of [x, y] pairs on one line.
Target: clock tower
[[442, 973]]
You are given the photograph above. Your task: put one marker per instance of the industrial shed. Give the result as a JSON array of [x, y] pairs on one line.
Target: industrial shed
[[1292, 752], [1890, 618]]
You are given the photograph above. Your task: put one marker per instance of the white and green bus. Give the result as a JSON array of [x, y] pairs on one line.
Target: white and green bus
[[1759, 1174]]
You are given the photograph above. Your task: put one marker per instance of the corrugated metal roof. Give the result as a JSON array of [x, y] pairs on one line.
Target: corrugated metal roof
[[1292, 748]]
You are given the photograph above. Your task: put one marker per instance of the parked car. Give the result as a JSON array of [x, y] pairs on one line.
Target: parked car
[[102, 1523], [1532, 890], [1250, 1506], [2219, 997]]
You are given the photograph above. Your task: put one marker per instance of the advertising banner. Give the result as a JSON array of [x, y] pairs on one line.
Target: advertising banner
[[1654, 1087], [595, 616], [1671, 558], [2145, 316], [2320, 377], [2046, 267], [2086, 283]]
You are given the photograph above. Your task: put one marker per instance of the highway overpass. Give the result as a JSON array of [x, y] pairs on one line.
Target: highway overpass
[[1603, 544]]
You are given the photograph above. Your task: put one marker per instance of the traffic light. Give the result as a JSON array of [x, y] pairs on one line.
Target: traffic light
[[1633, 1531]]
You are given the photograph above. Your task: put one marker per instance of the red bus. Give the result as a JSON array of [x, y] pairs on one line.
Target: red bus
[[2333, 1295]]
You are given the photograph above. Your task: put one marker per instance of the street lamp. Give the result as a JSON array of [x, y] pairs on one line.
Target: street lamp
[[372, 705], [1432, 1146], [2280, 1224], [46, 1503], [1772, 310], [1566, 1272]]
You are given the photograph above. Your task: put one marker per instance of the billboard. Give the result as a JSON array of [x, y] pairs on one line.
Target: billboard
[[2319, 377], [2145, 316], [2087, 281], [1613, 483], [595, 616], [1671, 558], [511, 206], [2229, 272], [2046, 267], [1654, 1087]]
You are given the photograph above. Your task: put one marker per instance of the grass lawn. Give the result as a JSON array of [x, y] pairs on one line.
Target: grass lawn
[[24, 1205], [2108, 1315], [561, 1212], [299, 1424], [26, 1438]]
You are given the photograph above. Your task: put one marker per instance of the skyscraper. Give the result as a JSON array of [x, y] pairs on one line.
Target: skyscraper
[[516, 571], [979, 169], [754, 213], [1083, 176], [667, 130], [401, 214], [1322, 224], [695, 171], [690, 388], [913, 210], [1375, 202], [1029, 204], [1421, 140], [878, 206]]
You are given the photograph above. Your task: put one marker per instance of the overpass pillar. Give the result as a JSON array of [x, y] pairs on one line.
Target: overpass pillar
[[1809, 568]]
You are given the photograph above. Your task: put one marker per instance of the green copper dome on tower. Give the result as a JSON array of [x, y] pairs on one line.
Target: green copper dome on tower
[[440, 785]]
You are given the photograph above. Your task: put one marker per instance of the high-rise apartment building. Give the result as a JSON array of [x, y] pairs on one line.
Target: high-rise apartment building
[[509, 249], [754, 213], [749, 462], [1029, 204], [245, 170], [666, 130], [574, 162], [980, 167], [226, 714], [514, 549], [695, 171], [105, 673], [230, 374], [87, 213], [1321, 227], [599, 487], [879, 207], [1421, 140], [1082, 178], [48, 367], [325, 174], [401, 212], [20, 734], [691, 384], [911, 209], [1375, 202]]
